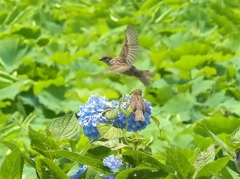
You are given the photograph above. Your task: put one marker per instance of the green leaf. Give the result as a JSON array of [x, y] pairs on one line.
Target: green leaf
[[191, 48], [10, 145], [122, 110], [178, 161], [13, 146], [90, 173], [162, 16], [12, 51], [204, 158], [6, 79], [213, 168], [235, 136], [202, 86], [48, 169], [146, 41], [53, 99], [40, 85], [179, 103], [18, 13], [112, 144], [62, 58], [28, 32], [108, 131], [215, 99], [136, 158], [85, 160], [129, 110], [42, 143], [12, 166], [219, 141], [98, 152], [11, 91], [217, 123], [65, 128], [141, 173], [188, 62], [156, 121]]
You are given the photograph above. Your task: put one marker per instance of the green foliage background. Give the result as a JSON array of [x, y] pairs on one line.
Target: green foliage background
[[49, 66]]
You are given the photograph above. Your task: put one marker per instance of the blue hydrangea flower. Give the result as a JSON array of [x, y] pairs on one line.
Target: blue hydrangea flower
[[91, 113], [112, 162], [79, 172], [132, 124]]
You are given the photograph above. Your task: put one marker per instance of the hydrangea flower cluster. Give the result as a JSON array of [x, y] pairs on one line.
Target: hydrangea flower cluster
[[91, 113], [112, 162]]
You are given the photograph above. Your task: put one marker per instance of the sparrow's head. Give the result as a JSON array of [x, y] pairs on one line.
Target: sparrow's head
[[136, 92], [106, 59]]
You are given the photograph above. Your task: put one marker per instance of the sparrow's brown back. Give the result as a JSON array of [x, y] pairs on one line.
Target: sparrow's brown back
[[137, 104]]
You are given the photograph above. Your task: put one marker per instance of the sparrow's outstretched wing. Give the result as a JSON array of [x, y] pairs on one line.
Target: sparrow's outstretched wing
[[130, 46]]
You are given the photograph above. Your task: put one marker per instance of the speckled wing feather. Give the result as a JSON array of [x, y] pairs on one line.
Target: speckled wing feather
[[119, 68], [130, 46]]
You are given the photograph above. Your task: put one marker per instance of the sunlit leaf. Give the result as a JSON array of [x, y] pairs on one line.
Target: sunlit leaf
[[91, 162], [205, 157], [178, 161], [12, 166], [212, 168], [41, 142], [235, 136], [138, 158], [65, 128], [110, 132], [217, 140], [45, 165]]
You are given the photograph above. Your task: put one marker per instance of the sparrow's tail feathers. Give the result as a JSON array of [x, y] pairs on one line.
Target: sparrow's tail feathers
[[145, 77], [139, 115]]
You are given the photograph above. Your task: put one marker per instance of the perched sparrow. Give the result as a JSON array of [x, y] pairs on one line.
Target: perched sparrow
[[123, 63], [137, 104], [237, 159]]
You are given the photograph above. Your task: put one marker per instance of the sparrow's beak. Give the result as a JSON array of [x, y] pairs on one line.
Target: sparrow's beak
[[101, 59]]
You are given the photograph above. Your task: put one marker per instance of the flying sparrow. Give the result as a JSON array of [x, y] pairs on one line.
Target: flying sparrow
[[137, 104], [123, 63]]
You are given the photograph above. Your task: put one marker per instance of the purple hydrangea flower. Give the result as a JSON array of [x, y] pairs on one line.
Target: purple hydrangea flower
[[91, 113]]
